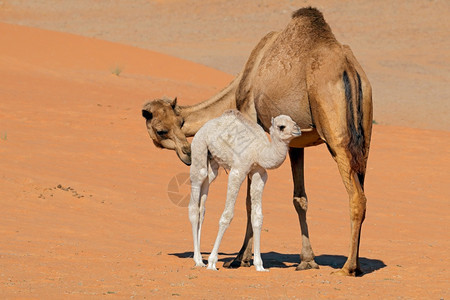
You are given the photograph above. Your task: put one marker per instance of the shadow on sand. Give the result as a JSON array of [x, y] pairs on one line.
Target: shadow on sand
[[280, 260]]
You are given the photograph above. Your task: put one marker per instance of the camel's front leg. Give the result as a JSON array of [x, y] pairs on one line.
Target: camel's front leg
[[194, 216], [245, 254], [296, 156], [199, 188], [196, 207], [235, 180], [259, 179]]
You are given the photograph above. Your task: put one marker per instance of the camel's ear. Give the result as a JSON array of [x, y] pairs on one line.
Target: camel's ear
[[147, 115], [271, 121], [175, 107], [174, 103]]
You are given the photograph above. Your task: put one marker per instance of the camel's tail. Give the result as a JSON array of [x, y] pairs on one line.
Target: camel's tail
[[354, 97]]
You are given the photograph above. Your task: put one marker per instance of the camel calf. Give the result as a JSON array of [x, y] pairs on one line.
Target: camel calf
[[237, 144]]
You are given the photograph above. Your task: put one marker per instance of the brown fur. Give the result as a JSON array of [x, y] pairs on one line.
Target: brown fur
[[244, 87], [312, 20], [304, 72], [308, 12], [164, 122]]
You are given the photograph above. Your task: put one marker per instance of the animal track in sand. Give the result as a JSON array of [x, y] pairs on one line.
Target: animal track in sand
[[50, 192]]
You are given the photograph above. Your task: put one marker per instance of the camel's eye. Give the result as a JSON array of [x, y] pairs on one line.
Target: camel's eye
[[282, 127], [162, 132], [182, 123]]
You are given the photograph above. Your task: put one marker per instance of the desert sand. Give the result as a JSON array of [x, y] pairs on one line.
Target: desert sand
[[87, 201], [404, 46]]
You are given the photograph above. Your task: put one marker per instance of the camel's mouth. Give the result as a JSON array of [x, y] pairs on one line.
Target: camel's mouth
[[297, 131], [185, 158]]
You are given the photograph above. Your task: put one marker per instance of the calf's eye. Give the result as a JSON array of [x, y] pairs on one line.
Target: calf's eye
[[282, 127]]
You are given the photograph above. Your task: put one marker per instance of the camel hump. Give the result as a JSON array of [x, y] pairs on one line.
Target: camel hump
[[308, 12], [310, 21]]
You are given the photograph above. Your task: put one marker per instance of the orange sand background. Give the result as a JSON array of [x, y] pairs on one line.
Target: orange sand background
[[83, 191]]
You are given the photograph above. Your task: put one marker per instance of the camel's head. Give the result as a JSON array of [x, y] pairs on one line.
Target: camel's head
[[284, 128], [164, 125]]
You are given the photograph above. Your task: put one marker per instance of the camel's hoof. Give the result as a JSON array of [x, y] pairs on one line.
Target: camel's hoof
[[200, 265], [346, 272], [235, 263], [306, 265]]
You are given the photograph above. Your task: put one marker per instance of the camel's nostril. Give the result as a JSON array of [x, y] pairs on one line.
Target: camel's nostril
[[186, 150]]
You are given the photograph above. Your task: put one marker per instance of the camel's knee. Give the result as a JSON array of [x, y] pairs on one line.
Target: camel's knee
[[358, 207], [193, 214], [194, 203], [301, 203], [257, 219], [226, 219], [195, 194], [198, 176]]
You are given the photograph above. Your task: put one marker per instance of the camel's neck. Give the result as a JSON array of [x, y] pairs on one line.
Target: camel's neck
[[195, 116], [274, 154]]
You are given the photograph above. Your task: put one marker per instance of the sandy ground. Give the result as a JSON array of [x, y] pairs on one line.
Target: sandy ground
[[85, 194]]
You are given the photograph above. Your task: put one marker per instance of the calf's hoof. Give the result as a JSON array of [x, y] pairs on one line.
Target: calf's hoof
[[200, 265], [212, 268]]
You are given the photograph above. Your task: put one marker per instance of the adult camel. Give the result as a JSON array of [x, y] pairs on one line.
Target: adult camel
[[304, 72]]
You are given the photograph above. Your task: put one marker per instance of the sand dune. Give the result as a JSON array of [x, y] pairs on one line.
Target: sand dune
[[85, 209], [402, 47]]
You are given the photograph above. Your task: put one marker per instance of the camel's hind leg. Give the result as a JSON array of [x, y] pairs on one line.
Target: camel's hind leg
[[343, 119], [259, 178], [245, 254], [198, 187], [296, 156], [235, 179], [354, 184]]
